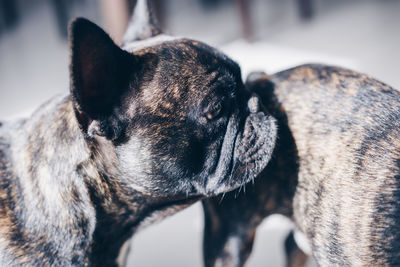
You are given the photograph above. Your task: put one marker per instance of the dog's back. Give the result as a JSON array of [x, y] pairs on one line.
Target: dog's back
[[346, 127]]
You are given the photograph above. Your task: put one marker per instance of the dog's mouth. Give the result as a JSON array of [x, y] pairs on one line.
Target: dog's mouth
[[253, 148], [244, 157]]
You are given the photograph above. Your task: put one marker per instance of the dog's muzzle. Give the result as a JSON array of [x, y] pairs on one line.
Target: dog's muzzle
[[253, 147]]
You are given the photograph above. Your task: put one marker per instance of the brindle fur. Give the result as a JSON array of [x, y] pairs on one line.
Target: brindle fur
[[130, 144], [335, 170]]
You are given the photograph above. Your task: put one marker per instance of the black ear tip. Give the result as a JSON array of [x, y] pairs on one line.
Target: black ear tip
[[81, 27], [77, 23], [79, 20]]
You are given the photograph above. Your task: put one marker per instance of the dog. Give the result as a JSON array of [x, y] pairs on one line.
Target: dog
[[146, 130], [335, 171]]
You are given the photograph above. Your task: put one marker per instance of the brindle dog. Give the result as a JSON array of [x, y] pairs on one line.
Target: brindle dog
[[145, 131], [335, 171]]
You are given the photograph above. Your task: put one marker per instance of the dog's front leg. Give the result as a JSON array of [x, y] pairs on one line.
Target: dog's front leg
[[227, 241], [295, 256]]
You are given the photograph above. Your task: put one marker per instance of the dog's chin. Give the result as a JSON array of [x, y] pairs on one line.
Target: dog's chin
[[168, 206], [178, 201], [251, 153]]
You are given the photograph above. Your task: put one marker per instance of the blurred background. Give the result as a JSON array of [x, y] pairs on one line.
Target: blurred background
[[267, 35]]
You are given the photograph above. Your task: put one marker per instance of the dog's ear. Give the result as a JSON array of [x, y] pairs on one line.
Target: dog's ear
[[143, 23], [100, 73]]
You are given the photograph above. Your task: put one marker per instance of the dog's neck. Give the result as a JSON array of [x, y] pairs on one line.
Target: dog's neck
[[59, 187], [48, 203]]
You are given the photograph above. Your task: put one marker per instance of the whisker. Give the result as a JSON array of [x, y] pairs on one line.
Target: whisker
[[222, 198]]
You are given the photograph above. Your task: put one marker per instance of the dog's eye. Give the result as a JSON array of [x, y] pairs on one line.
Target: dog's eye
[[214, 111]]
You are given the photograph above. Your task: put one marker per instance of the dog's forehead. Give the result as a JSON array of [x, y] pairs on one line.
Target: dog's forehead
[[184, 52], [187, 71]]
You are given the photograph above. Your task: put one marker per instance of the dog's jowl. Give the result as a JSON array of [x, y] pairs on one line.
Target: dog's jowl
[[335, 170], [145, 131]]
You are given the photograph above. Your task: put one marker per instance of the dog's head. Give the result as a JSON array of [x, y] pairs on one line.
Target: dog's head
[[169, 119]]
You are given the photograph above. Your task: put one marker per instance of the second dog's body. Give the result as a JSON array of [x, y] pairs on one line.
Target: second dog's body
[[335, 170]]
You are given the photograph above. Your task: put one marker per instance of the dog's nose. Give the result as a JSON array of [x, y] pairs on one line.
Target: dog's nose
[[254, 104]]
